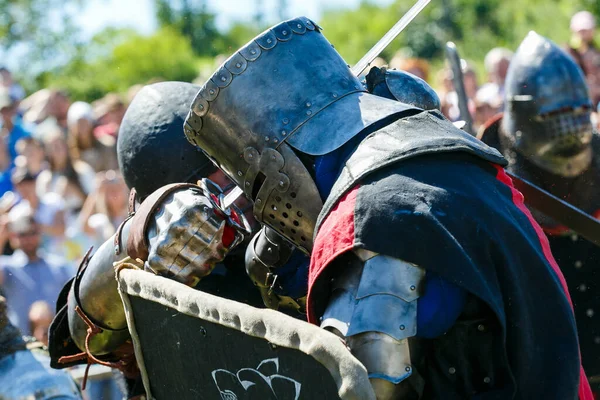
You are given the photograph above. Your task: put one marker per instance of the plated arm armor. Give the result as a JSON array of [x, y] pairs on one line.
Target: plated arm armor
[[373, 306]]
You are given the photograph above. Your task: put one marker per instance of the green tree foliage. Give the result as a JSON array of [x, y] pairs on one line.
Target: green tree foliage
[[37, 33], [122, 58], [475, 25], [194, 21], [188, 40]]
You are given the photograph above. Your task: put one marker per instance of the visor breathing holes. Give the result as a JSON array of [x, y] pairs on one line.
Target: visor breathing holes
[[285, 215], [289, 206], [296, 223]]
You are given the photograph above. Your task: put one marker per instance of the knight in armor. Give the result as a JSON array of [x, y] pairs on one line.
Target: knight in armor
[[25, 372], [153, 154], [547, 136], [423, 256]]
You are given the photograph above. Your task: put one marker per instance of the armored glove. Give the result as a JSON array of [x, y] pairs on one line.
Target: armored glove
[[191, 231], [179, 231]]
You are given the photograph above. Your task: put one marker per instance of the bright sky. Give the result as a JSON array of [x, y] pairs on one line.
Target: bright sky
[[139, 14]]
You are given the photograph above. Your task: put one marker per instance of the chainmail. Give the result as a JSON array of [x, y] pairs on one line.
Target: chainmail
[[10, 337]]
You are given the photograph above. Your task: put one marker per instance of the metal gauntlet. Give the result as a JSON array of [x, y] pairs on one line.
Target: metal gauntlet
[[191, 232], [180, 232]]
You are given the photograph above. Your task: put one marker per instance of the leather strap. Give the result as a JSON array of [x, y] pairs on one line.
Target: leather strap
[[131, 202], [117, 242], [137, 244], [131, 207]]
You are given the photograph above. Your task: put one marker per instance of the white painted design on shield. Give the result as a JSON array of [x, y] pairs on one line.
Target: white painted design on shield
[[260, 380]]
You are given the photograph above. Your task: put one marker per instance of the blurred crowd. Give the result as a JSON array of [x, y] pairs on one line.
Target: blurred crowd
[[61, 191], [486, 93]]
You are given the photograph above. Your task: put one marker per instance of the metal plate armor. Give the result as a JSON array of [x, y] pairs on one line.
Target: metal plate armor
[[290, 91], [391, 287], [402, 86], [548, 108]]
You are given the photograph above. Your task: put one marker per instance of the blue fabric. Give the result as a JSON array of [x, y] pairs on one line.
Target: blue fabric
[[293, 276], [26, 282], [5, 182], [329, 166], [439, 307], [326, 172], [18, 132]]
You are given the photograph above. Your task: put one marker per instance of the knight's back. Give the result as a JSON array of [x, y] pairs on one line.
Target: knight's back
[[455, 194]]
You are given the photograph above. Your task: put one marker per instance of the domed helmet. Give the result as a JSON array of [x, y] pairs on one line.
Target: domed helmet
[[402, 86], [548, 108], [287, 95], [151, 147]]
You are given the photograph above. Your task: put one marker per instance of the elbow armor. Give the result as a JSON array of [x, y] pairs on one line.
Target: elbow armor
[[373, 305]]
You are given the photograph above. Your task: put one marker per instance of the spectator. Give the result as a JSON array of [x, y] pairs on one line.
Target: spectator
[[470, 80], [26, 276], [31, 156], [106, 207], [100, 153], [416, 66], [444, 83], [11, 130], [47, 210], [71, 180], [14, 89], [133, 90], [585, 51], [40, 317], [485, 109], [34, 106], [57, 108], [496, 65], [378, 62], [109, 112]]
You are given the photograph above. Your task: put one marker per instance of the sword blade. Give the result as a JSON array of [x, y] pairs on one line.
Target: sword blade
[[376, 50], [232, 196], [558, 209]]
